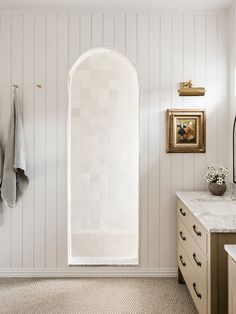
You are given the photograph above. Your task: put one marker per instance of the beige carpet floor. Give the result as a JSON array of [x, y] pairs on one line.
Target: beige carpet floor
[[95, 296]]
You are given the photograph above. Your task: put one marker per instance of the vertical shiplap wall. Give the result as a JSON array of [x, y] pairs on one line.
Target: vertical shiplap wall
[[232, 80], [166, 48]]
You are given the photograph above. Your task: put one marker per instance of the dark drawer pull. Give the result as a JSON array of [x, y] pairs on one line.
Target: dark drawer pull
[[182, 212], [198, 233], [181, 260], [196, 261], [181, 234], [195, 289]]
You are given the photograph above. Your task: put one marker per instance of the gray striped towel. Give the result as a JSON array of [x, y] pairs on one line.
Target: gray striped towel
[[15, 179]]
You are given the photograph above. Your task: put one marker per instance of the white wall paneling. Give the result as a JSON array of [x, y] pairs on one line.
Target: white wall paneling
[[222, 93], [40, 143], [85, 32], [164, 205], [108, 29], [51, 108], [62, 112], [177, 62], [5, 98], [166, 49], [231, 75], [142, 62], [212, 87], [17, 68], [200, 80], [188, 102], [29, 123], [97, 30], [154, 138]]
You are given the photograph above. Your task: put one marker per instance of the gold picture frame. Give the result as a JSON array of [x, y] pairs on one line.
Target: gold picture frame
[[186, 131]]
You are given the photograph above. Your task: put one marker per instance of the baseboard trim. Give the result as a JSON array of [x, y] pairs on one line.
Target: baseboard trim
[[70, 273]]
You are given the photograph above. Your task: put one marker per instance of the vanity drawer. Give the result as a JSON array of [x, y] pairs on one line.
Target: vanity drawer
[[183, 262], [195, 254], [198, 294], [196, 288], [182, 211], [197, 231]]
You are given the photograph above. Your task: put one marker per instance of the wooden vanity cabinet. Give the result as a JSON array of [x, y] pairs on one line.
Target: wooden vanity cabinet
[[232, 285], [202, 262]]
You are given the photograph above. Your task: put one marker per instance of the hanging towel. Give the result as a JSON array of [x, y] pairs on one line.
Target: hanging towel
[[15, 179]]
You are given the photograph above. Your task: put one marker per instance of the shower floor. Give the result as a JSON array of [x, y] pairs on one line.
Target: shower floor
[[104, 249]]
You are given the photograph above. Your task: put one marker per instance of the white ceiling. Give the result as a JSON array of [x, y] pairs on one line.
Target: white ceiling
[[163, 5]]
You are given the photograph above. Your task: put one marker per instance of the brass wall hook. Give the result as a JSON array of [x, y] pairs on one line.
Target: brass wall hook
[[16, 86], [39, 85]]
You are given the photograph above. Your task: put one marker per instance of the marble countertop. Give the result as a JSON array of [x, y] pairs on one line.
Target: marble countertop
[[231, 250], [215, 213]]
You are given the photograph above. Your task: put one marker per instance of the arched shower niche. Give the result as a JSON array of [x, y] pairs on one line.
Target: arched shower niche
[[103, 163]]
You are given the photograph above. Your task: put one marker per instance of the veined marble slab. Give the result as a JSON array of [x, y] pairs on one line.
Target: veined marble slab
[[215, 213], [231, 250]]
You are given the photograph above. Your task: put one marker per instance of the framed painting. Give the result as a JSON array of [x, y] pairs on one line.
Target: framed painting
[[186, 131]]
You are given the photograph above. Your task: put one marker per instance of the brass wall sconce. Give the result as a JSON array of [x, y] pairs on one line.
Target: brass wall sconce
[[187, 89]]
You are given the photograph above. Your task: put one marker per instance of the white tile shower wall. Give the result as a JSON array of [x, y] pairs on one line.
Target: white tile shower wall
[[105, 141], [166, 48]]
